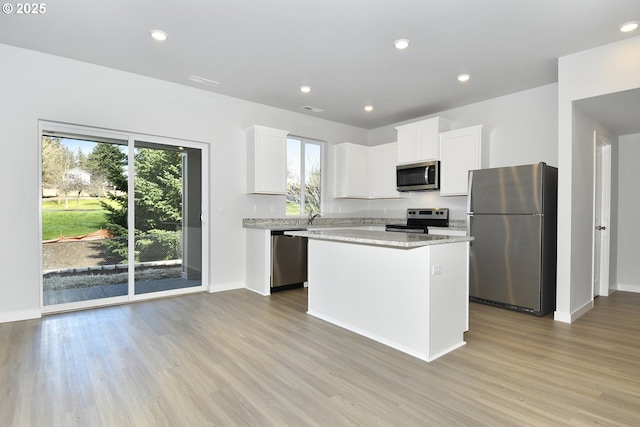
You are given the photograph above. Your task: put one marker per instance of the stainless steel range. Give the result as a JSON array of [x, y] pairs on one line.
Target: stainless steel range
[[419, 219]]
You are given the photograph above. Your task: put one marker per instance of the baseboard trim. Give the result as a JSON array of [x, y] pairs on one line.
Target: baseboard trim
[[627, 288], [225, 287], [16, 316], [573, 316]]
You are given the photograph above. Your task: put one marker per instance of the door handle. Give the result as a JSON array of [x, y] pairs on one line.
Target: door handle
[[600, 227]]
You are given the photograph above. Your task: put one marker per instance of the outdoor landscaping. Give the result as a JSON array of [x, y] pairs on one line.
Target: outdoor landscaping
[[85, 219], [86, 216]]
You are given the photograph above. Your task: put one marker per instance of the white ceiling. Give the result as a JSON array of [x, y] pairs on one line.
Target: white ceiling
[[263, 51]]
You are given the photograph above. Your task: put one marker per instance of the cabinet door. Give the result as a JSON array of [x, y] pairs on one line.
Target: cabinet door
[[460, 152], [418, 141], [352, 171], [427, 140], [383, 171], [406, 144], [267, 160]]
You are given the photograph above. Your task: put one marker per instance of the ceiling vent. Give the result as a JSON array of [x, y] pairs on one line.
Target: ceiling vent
[[204, 81], [312, 109]]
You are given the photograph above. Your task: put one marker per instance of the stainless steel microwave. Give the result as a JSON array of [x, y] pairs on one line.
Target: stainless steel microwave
[[418, 176]]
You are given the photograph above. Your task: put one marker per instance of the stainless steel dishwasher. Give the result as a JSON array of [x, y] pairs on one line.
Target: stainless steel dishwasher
[[288, 260]]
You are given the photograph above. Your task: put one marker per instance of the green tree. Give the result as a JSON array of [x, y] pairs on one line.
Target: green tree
[[56, 161], [158, 189], [158, 207], [312, 191], [107, 162]]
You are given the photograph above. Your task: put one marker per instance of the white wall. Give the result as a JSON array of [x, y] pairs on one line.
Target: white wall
[[599, 71], [523, 129], [36, 86], [628, 250]]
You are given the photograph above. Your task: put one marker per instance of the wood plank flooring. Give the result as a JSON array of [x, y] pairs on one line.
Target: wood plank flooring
[[239, 359]]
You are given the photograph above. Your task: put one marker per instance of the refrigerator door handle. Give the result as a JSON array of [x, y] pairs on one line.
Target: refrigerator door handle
[[469, 188]]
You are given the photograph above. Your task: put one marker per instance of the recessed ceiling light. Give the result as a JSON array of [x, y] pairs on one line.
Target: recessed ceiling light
[[368, 108], [464, 77], [629, 26], [305, 89], [159, 35], [401, 44]]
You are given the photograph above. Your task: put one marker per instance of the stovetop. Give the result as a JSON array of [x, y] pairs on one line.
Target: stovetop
[[418, 220]]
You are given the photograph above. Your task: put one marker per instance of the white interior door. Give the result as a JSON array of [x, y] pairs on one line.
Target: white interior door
[[601, 214]]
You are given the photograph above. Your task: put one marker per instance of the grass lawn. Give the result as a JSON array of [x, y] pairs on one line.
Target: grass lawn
[[58, 221], [83, 203]]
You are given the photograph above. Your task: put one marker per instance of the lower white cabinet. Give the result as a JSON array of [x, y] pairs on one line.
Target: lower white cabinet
[[363, 172], [461, 150]]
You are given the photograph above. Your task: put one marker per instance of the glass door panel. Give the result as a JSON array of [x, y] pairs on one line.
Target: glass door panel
[[84, 219], [107, 238], [168, 230]]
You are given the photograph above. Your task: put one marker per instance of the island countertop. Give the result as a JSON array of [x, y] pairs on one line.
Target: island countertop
[[322, 222], [379, 238]]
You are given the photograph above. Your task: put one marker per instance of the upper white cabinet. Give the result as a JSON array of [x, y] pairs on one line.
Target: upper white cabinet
[[363, 172], [266, 160], [418, 141], [383, 171], [352, 170], [461, 150]]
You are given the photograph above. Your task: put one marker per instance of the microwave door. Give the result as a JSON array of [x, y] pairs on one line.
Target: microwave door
[[430, 175]]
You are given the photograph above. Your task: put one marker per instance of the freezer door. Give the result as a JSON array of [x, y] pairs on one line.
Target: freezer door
[[505, 259], [509, 190]]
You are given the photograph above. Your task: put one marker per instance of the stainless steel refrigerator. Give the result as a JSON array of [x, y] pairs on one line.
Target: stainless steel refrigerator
[[512, 214]]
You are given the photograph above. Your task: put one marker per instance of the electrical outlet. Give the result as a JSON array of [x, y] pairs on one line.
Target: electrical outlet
[[437, 269]]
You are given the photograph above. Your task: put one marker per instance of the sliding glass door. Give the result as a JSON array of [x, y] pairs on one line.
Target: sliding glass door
[[121, 217], [168, 231], [83, 185]]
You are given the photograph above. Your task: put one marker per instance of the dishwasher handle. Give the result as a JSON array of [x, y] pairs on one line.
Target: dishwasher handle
[[281, 232]]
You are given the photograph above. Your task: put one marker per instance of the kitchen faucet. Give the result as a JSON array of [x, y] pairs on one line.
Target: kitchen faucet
[[312, 216]]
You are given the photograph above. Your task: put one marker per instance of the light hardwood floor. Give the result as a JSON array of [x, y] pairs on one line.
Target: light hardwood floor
[[237, 358]]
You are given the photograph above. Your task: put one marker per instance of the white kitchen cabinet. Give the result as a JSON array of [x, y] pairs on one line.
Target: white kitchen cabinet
[[418, 141], [266, 160], [363, 172], [461, 150], [383, 171], [352, 171]]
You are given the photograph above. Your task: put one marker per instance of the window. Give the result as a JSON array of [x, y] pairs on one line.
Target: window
[[304, 177]]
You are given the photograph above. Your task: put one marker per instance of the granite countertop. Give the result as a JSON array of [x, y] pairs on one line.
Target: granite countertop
[[379, 238], [320, 222]]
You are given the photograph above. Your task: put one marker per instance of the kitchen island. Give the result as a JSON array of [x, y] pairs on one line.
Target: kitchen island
[[408, 291]]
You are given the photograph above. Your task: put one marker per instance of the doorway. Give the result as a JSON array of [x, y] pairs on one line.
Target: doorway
[[120, 217], [601, 214]]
